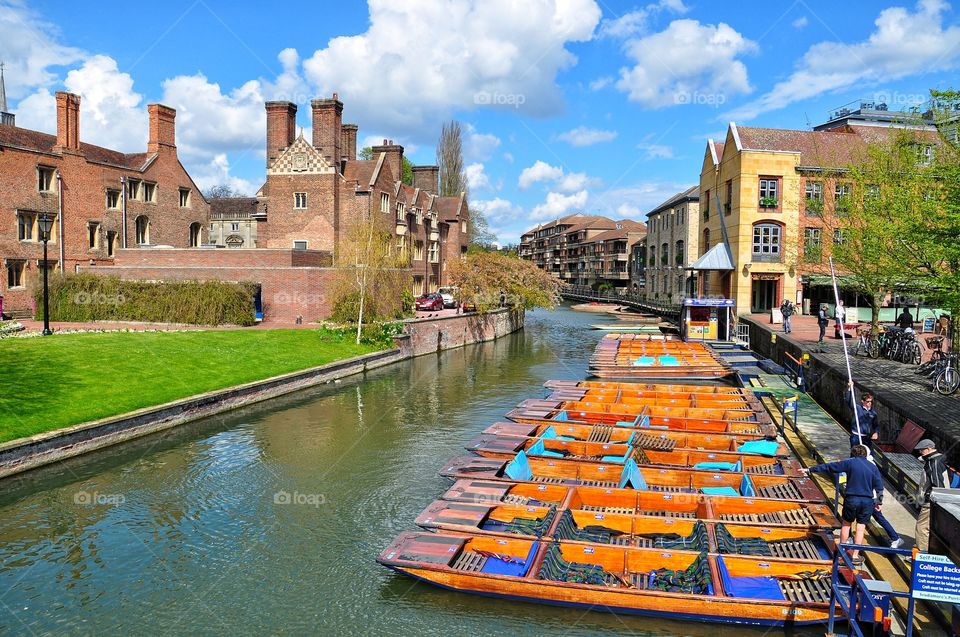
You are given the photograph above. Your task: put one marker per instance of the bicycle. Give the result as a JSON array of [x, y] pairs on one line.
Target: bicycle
[[948, 379], [867, 343]]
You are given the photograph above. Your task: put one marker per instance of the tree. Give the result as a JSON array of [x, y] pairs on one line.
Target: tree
[[371, 280], [366, 153], [221, 191], [453, 180], [486, 278]]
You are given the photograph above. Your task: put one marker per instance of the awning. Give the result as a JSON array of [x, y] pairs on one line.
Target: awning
[[843, 280], [716, 258]]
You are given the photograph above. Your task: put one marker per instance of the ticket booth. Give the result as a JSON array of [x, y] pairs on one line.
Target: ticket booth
[[705, 319]]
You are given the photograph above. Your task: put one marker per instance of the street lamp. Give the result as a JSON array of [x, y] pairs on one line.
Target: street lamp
[[46, 224]]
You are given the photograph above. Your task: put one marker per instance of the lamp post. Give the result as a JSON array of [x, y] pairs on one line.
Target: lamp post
[[46, 224]]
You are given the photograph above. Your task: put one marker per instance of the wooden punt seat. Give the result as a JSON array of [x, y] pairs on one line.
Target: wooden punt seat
[[794, 549], [641, 456], [763, 469], [793, 517], [547, 480], [639, 581], [600, 433], [557, 569], [812, 589], [644, 542], [671, 514], [665, 489], [469, 561], [785, 491], [599, 509], [598, 483], [515, 499], [656, 443]]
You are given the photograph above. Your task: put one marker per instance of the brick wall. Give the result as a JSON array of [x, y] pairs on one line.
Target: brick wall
[[435, 334]]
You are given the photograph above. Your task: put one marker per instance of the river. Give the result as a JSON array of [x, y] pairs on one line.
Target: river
[[267, 520]]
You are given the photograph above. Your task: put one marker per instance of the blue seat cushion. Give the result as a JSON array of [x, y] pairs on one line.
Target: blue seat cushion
[[515, 567], [669, 361], [746, 487], [561, 416], [756, 587], [719, 491], [715, 466], [519, 468], [631, 476], [760, 447]]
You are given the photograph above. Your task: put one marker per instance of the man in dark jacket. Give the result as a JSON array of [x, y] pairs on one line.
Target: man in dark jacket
[[786, 309], [866, 417], [822, 321], [934, 477], [905, 319], [863, 485]]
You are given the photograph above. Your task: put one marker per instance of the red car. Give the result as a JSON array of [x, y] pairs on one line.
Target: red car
[[429, 302]]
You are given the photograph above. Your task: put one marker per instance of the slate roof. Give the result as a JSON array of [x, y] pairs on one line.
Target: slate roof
[[716, 258], [691, 193], [36, 141]]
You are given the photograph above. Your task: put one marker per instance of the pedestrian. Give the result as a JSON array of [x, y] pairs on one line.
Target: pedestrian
[[905, 320], [822, 321], [934, 477], [895, 540], [839, 315], [866, 418], [786, 309], [863, 496]]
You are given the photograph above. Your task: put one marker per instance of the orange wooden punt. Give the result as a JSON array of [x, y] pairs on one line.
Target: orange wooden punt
[[645, 439], [552, 471], [728, 510], [529, 570], [579, 451], [656, 387]]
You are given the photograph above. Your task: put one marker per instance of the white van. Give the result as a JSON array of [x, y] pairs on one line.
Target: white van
[[449, 295]]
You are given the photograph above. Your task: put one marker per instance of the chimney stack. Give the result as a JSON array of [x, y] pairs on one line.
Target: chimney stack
[[163, 129], [68, 121], [426, 178], [281, 128], [327, 123], [349, 141], [394, 159]]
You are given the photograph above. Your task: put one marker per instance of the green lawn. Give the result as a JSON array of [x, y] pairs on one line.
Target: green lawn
[[61, 380]]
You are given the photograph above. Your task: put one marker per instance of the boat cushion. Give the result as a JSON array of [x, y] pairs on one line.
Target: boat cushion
[[644, 361], [719, 491], [519, 468], [757, 587], [669, 361], [761, 447], [537, 449], [561, 415], [631, 476], [746, 487], [715, 466], [515, 566], [549, 433]]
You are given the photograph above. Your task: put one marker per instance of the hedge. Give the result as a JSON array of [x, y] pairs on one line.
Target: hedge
[[86, 297]]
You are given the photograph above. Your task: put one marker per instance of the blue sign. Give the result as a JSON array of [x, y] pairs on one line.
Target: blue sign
[[708, 302], [935, 577]]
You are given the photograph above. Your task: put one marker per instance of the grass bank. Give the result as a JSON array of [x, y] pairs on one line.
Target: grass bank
[[62, 380]]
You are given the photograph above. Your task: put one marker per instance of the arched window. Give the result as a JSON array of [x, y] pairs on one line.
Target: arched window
[[767, 241], [653, 256], [679, 258], [664, 253], [706, 241], [143, 230], [194, 235]]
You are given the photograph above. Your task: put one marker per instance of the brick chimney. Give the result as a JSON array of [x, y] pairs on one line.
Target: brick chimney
[[348, 142], [426, 178], [327, 124], [68, 121], [163, 129], [281, 128], [394, 159]]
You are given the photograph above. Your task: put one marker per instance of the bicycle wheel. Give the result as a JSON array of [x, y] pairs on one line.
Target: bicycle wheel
[[915, 353], [873, 348], [948, 381]]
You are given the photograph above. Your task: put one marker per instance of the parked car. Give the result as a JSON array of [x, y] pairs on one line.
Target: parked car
[[449, 295], [429, 302]]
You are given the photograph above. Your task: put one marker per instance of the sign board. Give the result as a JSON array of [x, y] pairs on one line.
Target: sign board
[[928, 324], [935, 577], [708, 302]]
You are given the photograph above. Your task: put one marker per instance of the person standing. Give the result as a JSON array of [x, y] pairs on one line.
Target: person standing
[[934, 477], [839, 315], [822, 321], [786, 309], [863, 496], [866, 418], [905, 320]]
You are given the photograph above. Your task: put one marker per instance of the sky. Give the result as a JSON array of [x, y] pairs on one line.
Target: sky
[[593, 106]]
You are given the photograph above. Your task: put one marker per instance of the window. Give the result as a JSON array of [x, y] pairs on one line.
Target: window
[[133, 189], [924, 154], [299, 245], [402, 247], [706, 205], [111, 243], [418, 213], [434, 254], [384, 202], [812, 251], [838, 238], [184, 197], [841, 198], [653, 255], [401, 212], [418, 250], [27, 227], [728, 206], [235, 226], [150, 192], [299, 200], [813, 198], [15, 271], [113, 199], [664, 254], [706, 240], [93, 235], [463, 226], [44, 179], [766, 242], [679, 257], [769, 192], [872, 191], [142, 225], [195, 235]]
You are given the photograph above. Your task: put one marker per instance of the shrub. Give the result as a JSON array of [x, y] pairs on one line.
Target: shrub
[[86, 297]]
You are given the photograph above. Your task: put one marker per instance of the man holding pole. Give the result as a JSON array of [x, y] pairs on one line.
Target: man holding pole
[[866, 423]]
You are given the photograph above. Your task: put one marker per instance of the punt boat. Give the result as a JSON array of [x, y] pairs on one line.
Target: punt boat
[[628, 327], [621, 355], [728, 510], [615, 386], [551, 446], [610, 475], [624, 529], [662, 439], [675, 584]]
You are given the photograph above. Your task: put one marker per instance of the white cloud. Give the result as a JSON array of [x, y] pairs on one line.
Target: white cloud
[[508, 157], [635, 22], [601, 83], [216, 172], [452, 54], [111, 113], [904, 43], [497, 210], [29, 48], [583, 136], [800, 22], [688, 62], [477, 179], [571, 182], [628, 211], [656, 151], [636, 199], [479, 146], [540, 171], [558, 205]]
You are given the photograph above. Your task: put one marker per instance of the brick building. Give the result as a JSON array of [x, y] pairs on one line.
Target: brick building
[[101, 200], [671, 246]]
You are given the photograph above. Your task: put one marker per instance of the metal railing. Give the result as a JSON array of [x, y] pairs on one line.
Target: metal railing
[[585, 292]]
